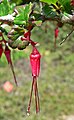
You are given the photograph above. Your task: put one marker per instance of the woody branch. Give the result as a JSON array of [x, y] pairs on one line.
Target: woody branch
[[65, 19]]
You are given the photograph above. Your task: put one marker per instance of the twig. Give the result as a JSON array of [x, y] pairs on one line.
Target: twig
[[68, 18], [67, 36]]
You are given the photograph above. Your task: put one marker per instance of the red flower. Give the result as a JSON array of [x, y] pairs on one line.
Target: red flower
[[56, 32], [35, 62], [35, 66], [72, 2]]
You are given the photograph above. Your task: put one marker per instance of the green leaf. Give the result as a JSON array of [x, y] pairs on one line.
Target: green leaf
[[49, 1], [4, 8], [27, 12], [17, 2], [48, 11], [23, 16], [15, 33], [12, 7], [66, 5]]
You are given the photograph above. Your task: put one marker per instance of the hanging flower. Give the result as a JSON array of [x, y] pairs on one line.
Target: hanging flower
[[72, 2], [56, 32], [35, 67]]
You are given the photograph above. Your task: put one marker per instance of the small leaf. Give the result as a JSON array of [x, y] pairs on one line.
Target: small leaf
[[15, 33], [48, 11], [49, 1], [4, 8], [66, 5], [27, 11], [23, 16]]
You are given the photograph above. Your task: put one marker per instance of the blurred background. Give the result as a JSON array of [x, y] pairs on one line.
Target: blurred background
[[55, 83]]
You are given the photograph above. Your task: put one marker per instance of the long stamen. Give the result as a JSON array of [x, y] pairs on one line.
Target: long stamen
[[28, 110], [36, 95], [35, 92], [38, 104]]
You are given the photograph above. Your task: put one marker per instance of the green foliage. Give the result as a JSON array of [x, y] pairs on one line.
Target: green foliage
[[66, 5], [49, 12], [15, 33], [4, 8], [17, 2], [14, 39], [32, 14], [49, 1], [23, 16], [56, 81]]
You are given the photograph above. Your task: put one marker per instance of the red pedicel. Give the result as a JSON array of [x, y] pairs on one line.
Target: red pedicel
[[7, 53], [27, 34], [27, 37], [35, 66]]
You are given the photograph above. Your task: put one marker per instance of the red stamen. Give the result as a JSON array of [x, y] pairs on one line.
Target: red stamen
[[28, 110], [36, 95]]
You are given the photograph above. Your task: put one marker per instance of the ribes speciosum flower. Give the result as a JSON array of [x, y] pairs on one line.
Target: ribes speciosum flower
[[56, 31], [72, 2], [35, 67]]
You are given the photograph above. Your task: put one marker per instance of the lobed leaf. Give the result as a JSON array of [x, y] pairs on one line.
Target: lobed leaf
[[48, 11], [66, 5], [4, 8], [49, 1], [23, 16]]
